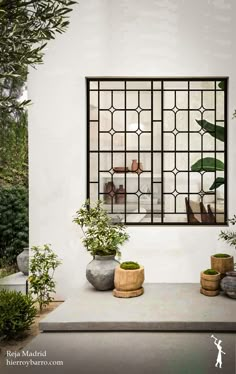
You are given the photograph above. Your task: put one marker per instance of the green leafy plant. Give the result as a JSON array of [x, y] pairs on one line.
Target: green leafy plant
[[14, 150], [13, 223], [130, 265], [26, 26], [17, 312], [229, 236], [42, 267], [211, 272], [209, 164], [100, 236]]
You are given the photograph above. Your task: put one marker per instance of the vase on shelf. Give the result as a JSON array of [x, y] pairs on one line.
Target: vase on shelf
[[109, 192], [120, 195], [134, 166]]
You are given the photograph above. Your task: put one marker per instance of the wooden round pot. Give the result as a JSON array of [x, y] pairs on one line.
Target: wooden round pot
[[222, 264], [210, 282], [128, 283]]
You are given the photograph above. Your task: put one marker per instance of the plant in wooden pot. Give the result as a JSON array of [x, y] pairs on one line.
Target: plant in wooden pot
[[210, 282], [129, 278], [103, 240], [222, 262]]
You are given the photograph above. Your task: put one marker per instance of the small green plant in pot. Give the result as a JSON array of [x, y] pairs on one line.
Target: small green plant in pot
[[129, 278], [102, 239], [130, 265], [210, 282], [222, 262]]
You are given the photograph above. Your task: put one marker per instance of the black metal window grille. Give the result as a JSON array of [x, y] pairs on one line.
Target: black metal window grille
[[156, 149]]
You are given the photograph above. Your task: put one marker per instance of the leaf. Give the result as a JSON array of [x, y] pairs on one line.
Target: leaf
[[221, 85], [217, 132], [208, 164], [218, 182]]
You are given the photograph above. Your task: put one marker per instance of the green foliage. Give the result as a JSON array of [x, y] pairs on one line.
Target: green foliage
[[208, 164], [130, 265], [221, 85], [13, 150], [217, 183], [234, 114], [211, 272], [13, 223], [42, 267], [26, 26], [101, 237], [217, 132], [229, 236], [221, 255], [17, 312]]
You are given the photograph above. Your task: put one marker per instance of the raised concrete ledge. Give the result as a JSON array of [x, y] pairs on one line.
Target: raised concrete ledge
[[16, 281], [163, 307]]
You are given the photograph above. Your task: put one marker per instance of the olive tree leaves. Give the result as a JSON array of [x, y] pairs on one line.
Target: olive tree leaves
[[25, 29]]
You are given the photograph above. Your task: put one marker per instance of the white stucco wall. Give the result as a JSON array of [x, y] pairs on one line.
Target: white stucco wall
[[121, 38]]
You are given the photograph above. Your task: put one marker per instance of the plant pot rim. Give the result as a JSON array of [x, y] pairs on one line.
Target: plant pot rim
[[132, 270], [222, 258], [231, 273], [105, 257], [210, 277]]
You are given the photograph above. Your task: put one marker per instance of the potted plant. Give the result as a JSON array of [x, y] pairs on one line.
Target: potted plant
[[228, 284], [102, 239], [210, 282], [222, 262], [129, 278]]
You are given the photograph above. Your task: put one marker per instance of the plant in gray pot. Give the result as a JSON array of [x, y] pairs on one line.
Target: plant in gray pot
[[102, 239], [228, 284]]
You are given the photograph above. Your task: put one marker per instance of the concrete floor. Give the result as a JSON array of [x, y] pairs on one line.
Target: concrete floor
[[163, 307], [134, 341], [128, 353]]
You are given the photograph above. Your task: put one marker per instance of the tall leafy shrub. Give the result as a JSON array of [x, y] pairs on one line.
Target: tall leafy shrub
[[13, 223]]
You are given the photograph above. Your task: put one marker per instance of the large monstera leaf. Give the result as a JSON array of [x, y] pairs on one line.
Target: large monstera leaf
[[217, 132], [208, 164]]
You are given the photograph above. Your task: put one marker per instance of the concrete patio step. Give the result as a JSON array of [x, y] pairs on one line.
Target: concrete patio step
[[16, 282], [163, 307]]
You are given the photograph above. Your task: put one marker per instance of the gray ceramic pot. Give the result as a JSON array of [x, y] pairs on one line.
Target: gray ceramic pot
[[23, 261], [100, 272], [228, 284]]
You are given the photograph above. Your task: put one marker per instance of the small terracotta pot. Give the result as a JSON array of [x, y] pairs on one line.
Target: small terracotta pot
[[134, 166]]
